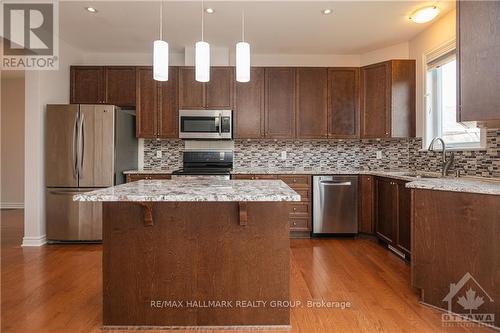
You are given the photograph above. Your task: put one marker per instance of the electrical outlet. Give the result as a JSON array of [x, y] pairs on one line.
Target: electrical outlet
[[379, 154], [283, 155], [158, 154]]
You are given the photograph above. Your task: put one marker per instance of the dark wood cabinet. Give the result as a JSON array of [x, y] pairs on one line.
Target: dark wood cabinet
[[215, 94], [311, 103], [147, 104], [478, 36], [392, 217], [191, 92], [388, 99], [120, 85], [280, 102], [249, 106], [343, 102], [103, 85], [133, 177], [168, 107], [219, 91], [157, 107], [366, 207], [87, 85]]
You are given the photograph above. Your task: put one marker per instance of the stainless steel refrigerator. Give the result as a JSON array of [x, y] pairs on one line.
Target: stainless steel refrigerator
[[87, 147]]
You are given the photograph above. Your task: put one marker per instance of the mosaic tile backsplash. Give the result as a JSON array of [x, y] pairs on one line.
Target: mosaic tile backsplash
[[337, 154]]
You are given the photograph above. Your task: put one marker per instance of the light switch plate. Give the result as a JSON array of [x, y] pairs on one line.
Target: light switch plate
[[379, 154], [283, 155], [158, 154]]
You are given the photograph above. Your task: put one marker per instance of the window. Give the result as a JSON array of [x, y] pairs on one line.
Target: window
[[441, 105]]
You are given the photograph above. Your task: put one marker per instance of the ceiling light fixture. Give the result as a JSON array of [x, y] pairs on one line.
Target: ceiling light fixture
[[209, 10], [242, 55], [326, 11], [425, 14], [202, 54], [160, 54], [91, 9]]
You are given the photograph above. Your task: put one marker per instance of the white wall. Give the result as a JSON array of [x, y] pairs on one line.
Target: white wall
[[42, 88], [398, 51], [12, 137], [437, 34]]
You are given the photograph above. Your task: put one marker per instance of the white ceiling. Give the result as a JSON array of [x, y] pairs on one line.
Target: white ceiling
[[272, 27]]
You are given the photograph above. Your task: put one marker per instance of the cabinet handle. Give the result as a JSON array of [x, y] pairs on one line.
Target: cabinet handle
[[294, 180], [294, 209], [294, 223]]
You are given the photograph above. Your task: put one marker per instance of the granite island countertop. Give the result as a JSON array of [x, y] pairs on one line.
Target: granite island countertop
[[182, 190]]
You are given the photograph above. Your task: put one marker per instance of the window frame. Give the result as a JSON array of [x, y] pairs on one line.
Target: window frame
[[432, 122]]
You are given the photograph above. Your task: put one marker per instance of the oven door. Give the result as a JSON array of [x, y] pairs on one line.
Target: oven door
[[205, 124]]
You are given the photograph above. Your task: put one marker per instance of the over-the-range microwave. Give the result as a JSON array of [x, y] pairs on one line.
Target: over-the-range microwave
[[206, 124]]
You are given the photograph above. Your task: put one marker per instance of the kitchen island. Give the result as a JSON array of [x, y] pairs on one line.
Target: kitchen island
[[195, 253]]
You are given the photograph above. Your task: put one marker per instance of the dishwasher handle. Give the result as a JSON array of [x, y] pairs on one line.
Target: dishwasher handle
[[334, 183]]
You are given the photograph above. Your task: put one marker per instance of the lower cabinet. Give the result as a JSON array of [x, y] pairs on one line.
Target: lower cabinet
[[300, 212], [392, 215], [132, 177]]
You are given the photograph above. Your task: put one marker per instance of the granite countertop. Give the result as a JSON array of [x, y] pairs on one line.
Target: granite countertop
[[194, 190], [463, 184]]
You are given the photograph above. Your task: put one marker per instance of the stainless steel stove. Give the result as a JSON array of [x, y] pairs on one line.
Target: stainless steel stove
[[206, 164]]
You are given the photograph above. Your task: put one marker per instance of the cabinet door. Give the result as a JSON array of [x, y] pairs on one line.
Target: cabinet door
[[386, 216], [249, 106], [168, 111], [478, 24], [376, 100], [120, 85], [219, 88], [366, 204], [87, 85], [343, 102], [280, 102], [312, 111], [191, 92], [404, 219], [147, 103]]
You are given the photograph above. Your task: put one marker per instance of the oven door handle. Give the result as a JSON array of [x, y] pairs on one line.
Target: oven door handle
[[220, 124]]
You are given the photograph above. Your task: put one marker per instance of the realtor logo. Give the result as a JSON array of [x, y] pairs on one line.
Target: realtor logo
[[464, 302], [29, 35]]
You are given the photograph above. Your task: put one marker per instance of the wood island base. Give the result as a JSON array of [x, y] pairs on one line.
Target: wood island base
[[192, 264]]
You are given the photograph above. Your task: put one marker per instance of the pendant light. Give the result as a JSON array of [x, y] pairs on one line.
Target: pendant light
[[242, 55], [202, 54], [160, 54]]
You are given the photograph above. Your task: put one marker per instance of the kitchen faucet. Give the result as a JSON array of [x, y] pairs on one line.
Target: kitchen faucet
[[446, 164]]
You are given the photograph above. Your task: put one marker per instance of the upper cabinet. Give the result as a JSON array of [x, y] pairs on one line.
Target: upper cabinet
[[388, 99], [478, 35], [280, 102], [215, 94], [87, 85], [343, 102], [311, 109], [248, 115], [103, 85], [157, 107]]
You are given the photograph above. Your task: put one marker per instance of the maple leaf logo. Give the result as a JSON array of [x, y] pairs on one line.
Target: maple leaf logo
[[470, 301]]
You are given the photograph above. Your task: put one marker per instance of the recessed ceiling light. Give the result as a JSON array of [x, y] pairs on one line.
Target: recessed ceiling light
[[91, 9], [326, 11], [425, 14], [209, 10]]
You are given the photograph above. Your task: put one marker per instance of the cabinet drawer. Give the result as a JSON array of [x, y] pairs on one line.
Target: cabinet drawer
[[305, 194], [300, 208], [299, 224], [296, 180], [143, 176]]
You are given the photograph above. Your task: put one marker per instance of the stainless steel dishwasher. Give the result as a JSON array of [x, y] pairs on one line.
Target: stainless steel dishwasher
[[335, 204]]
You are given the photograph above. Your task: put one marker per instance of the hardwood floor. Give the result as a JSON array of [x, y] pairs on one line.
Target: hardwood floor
[[57, 288]]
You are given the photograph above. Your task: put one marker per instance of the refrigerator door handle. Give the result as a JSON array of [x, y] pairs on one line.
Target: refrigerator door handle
[[81, 143], [75, 147]]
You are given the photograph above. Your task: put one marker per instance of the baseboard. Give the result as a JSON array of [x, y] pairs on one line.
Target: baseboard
[[34, 241], [12, 205]]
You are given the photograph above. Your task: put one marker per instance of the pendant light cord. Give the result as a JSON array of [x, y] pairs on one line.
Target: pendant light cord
[[161, 20], [243, 25], [202, 19]]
